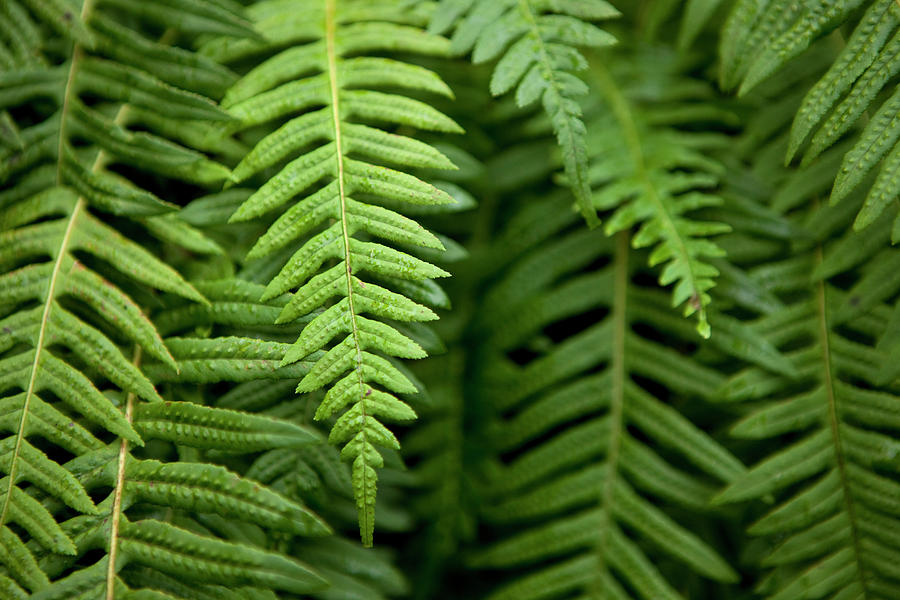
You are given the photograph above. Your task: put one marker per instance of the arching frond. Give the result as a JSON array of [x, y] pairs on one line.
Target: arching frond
[[536, 43], [665, 174]]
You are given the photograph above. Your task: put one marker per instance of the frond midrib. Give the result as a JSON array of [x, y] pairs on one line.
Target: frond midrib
[[331, 52], [118, 489], [617, 395], [834, 425]]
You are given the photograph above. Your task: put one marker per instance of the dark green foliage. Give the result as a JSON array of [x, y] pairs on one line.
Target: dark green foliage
[[222, 223]]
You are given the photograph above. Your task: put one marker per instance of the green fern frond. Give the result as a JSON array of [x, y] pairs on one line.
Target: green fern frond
[[835, 549], [578, 498], [67, 322], [316, 474], [289, 460], [833, 416], [194, 557], [665, 174], [536, 43], [335, 166], [848, 93], [40, 326]]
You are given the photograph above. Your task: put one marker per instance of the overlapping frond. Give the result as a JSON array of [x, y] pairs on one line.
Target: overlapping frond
[[71, 385], [315, 475], [832, 472], [575, 493], [347, 197], [137, 546], [835, 519], [216, 523], [536, 42], [664, 174], [220, 342], [853, 92]]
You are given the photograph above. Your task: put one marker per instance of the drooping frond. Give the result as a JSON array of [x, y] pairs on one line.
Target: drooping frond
[[758, 42], [218, 342], [536, 42], [315, 475], [662, 174], [345, 197]]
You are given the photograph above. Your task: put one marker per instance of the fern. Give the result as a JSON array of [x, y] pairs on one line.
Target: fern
[[569, 496], [651, 185], [218, 244], [536, 42], [360, 195], [835, 409], [65, 323], [833, 522], [310, 474], [846, 93]]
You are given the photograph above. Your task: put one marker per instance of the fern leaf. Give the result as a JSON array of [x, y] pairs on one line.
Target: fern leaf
[[823, 475], [320, 73], [203, 427], [190, 486], [832, 460], [575, 405], [186, 554], [841, 97], [536, 45], [663, 178], [292, 461], [65, 321]]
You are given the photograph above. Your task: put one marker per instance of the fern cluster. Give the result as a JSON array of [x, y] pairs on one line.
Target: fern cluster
[[662, 357]]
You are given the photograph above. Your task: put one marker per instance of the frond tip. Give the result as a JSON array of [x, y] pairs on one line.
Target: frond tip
[[536, 42], [662, 177]]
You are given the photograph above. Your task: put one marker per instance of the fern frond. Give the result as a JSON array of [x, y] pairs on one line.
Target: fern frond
[[335, 166], [836, 460], [576, 492], [40, 326], [289, 460], [832, 417], [536, 43], [68, 320], [196, 558], [850, 90], [316, 474], [664, 175]]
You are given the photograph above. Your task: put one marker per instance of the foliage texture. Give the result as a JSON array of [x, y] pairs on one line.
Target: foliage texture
[[667, 362]]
